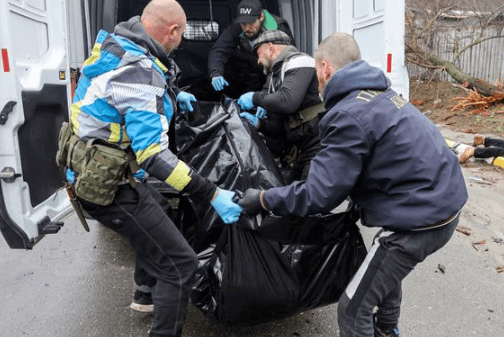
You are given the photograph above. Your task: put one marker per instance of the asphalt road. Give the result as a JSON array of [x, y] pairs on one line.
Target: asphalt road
[[80, 284]]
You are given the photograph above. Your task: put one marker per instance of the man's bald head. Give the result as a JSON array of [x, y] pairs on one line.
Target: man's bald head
[[339, 49], [333, 53], [165, 21]]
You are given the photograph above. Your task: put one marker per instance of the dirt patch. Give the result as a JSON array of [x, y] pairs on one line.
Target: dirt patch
[[437, 99]]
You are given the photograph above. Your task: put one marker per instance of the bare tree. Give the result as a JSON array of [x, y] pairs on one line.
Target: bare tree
[[458, 20]]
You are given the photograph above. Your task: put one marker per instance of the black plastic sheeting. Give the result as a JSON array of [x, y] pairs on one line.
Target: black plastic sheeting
[[264, 267]]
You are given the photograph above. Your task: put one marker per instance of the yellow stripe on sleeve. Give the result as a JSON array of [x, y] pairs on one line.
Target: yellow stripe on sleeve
[[74, 113], [95, 55], [143, 155], [179, 178], [115, 132]]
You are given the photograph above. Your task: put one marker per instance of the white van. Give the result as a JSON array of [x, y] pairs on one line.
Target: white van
[[44, 42]]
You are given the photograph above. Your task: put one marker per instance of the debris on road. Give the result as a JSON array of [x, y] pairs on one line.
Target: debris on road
[[464, 230], [441, 267], [498, 238], [478, 180], [500, 269], [479, 102], [478, 243]]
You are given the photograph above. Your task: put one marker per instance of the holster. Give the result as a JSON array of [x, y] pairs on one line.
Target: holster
[[99, 165]]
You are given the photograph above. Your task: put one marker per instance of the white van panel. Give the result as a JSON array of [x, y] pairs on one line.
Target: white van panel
[[34, 62], [34, 46], [367, 36], [35, 34], [378, 27]]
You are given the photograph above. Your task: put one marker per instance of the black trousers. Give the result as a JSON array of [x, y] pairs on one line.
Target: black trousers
[[493, 148], [301, 166], [306, 137], [161, 251], [378, 281]]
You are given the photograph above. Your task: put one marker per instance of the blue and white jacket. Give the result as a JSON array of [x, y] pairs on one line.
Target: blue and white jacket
[[382, 152], [125, 97]]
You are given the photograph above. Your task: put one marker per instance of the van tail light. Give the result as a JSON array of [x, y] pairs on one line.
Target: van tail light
[[389, 63], [5, 60]]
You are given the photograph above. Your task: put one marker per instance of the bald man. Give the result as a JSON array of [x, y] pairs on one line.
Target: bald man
[[380, 151], [126, 98]]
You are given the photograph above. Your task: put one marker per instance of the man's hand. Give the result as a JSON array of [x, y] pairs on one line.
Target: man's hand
[[184, 100], [218, 83], [245, 101], [261, 113], [252, 202], [224, 205], [251, 118]]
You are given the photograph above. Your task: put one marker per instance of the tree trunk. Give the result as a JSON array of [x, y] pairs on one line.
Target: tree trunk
[[481, 86]]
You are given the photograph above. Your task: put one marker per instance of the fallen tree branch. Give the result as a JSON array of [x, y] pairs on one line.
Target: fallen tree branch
[[479, 85], [424, 65]]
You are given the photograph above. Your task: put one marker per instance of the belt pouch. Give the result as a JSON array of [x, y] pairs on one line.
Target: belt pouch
[[102, 170]]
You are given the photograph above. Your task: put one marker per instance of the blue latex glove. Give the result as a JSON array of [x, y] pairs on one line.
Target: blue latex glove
[[184, 100], [224, 205], [261, 113], [245, 101], [218, 83], [141, 175], [251, 118], [70, 176]]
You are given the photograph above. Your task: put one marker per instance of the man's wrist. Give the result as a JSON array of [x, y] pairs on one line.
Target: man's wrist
[[217, 190]]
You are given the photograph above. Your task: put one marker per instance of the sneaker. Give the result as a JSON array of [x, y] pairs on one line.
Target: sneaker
[[142, 302], [478, 140], [379, 333], [468, 153]]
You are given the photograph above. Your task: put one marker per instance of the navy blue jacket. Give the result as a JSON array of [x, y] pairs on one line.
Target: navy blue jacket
[[382, 152]]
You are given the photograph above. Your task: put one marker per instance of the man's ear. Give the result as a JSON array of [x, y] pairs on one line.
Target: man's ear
[[261, 17], [170, 32], [326, 69]]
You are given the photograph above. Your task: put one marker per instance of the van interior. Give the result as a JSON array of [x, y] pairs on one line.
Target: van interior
[[206, 20]]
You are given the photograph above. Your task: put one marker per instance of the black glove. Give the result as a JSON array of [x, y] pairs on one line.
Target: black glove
[[251, 201]]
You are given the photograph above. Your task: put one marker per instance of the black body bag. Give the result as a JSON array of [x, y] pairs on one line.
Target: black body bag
[[265, 267]]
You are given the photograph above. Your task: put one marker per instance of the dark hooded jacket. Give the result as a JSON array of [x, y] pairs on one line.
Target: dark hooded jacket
[[381, 151], [232, 55]]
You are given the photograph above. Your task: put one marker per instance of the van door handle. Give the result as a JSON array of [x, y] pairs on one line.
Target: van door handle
[[7, 109]]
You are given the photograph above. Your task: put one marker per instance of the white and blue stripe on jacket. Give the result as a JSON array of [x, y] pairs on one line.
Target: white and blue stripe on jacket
[[123, 98]]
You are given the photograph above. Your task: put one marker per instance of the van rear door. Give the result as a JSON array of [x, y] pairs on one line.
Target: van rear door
[[34, 96], [378, 27]]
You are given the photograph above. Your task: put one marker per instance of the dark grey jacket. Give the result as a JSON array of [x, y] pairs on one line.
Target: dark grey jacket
[[291, 86]]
